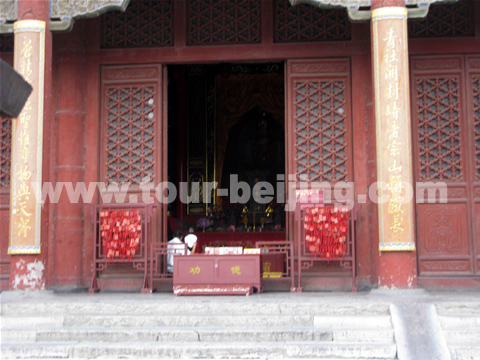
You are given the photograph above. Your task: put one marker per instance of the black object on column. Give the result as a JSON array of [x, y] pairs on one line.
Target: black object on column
[[14, 91]]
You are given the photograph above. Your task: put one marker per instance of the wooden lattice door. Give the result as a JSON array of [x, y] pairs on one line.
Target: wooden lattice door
[[133, 128], [446, 129], [319, 124]]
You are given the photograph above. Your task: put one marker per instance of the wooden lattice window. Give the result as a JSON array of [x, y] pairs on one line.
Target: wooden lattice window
[[439, 128], [321, 130], [476, 122], [5, 151], [6, 43], [145, 23], [215, 22], [130, 133], [304, 23], [445, 20]]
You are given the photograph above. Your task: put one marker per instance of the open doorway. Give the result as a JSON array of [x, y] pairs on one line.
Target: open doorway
[[226, 124]]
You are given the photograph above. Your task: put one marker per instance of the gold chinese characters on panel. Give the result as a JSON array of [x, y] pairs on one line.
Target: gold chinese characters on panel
[[27, 133], [392, 112]]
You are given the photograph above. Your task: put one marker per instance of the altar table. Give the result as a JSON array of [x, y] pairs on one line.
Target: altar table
[[235, 238]]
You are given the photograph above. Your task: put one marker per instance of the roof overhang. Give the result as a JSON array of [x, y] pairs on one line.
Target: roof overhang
[[62, 12], [360, 10]]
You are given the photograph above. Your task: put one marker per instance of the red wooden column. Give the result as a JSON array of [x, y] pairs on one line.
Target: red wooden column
[[69, 157], [397, 256], [29, 272]]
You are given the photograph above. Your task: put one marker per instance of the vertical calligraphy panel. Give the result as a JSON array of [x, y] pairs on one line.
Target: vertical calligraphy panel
[[394, 169], [27, 132]]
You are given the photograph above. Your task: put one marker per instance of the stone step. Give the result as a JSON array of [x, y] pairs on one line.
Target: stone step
[[364, 335], [471, 335], [334, 322], [458, 308], [171, 306], [25, 322], [244, 350], [459, 321], [197, 334], [176, 335], [353, 322], [465, 352], [31, 322]]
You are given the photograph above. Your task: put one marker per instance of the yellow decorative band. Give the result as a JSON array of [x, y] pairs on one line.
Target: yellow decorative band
[[23, 250], [29, 25], [397, 247], [389, 13]]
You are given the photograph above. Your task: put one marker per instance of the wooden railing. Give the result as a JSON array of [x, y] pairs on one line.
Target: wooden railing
[[159, 253], [285, 250]]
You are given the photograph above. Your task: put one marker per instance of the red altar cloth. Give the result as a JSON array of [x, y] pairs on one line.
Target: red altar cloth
[[235, 238]]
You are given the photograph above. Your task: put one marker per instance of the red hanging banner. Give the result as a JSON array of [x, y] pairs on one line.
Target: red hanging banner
[[326, 231], [120, 232]]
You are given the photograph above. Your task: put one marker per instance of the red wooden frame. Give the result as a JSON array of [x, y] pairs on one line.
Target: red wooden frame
[[139, 261], [305, 258]]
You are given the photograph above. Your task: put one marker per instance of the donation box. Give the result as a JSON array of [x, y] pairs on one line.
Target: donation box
[[217, 274]]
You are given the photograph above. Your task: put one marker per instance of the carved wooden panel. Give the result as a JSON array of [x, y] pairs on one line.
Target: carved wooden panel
[[445, 20], [319, 111], [131, 112], [145, 23], [6, 42], [443, 235], [306, 23], [445, 229], [5, 151], [215, 22], [438, 104], [445, 266], [4, 258]]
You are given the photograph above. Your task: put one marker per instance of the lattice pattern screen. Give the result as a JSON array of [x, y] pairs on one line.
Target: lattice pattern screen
[[223, 22], [145, 23], [6, 43], [320, 131], [439, 126], [130, 133], [302, 23], [476, 122], [445, 20], [5, 151]]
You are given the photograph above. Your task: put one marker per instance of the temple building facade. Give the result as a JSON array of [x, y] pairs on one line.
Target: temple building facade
[[373, 105]]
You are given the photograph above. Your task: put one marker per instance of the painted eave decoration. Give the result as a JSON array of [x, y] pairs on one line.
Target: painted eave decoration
[[359, 10], [62, 12]]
